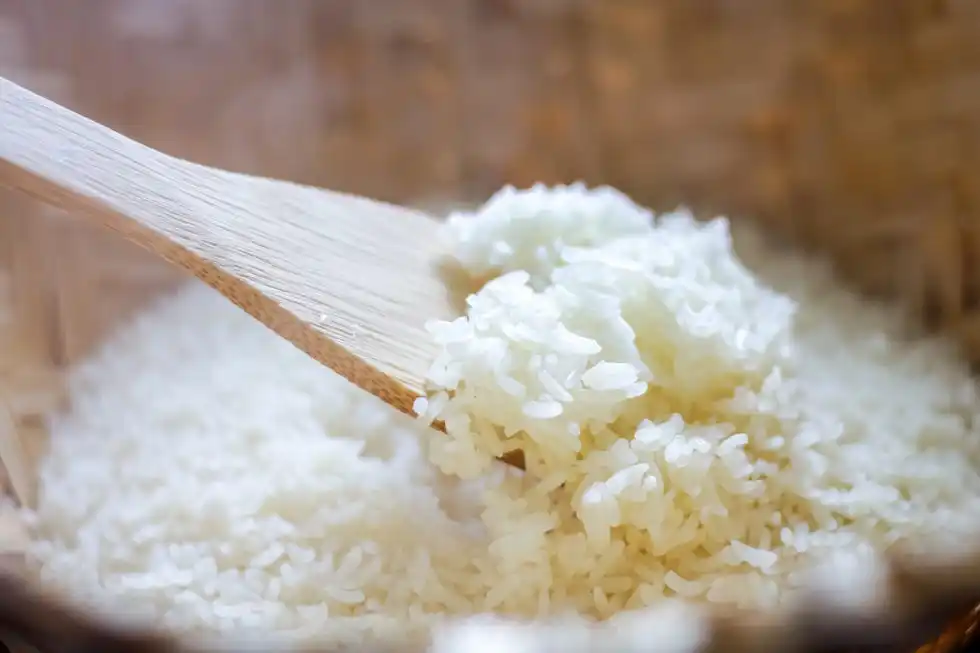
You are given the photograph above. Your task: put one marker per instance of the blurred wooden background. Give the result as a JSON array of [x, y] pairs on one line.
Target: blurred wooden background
[[851, 124]]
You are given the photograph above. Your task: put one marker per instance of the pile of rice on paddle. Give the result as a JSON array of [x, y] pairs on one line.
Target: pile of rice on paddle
[[696, 424]]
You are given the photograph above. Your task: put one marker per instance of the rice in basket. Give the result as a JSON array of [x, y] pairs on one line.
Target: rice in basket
[[695, 424]]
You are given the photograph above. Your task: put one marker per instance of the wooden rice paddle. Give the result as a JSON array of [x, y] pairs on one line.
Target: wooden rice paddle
[[348, 280]]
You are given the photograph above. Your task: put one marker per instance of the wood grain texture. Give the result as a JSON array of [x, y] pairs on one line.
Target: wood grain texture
[[349, 281], [850, 125], [847, 124]]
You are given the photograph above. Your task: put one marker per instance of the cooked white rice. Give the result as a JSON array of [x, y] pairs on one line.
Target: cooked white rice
[[691, 429]]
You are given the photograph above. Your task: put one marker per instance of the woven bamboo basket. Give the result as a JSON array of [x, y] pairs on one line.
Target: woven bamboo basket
[[850, 126]]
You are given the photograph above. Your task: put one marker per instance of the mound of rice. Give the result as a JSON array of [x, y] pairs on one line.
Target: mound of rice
[[694, 423]]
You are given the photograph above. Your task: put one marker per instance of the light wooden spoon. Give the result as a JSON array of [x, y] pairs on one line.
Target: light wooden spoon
[[348, 280]]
